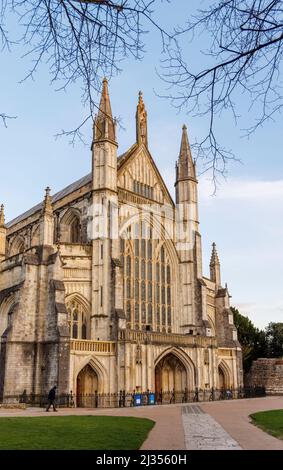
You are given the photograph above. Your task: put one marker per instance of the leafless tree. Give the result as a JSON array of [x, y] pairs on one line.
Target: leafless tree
[[83, 40], [5, 44], [244, 56]]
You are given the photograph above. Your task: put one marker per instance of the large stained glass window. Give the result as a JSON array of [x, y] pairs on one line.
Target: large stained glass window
[[148, 299]]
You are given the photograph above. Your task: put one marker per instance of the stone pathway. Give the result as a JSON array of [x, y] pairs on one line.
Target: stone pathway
[[233, 415], [202, 432], [211, 425]]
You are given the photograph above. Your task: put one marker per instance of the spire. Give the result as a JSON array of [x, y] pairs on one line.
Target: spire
[[215, 266], [46, 228], [214, 256], [2, 216], [141, 122], [47, 203], [104, 126], [185, 165]]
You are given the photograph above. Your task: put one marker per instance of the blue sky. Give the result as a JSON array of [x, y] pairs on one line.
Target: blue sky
[[245, 218]]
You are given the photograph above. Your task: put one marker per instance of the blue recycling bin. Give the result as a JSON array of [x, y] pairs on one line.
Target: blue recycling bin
[[138, 399], [151, 399]]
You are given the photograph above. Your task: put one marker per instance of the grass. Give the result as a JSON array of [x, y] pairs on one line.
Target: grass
[[270, 422], [73, 433]]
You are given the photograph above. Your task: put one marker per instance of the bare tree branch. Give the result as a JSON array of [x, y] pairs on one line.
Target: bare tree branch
[[5, 44], [245, 56], [83, 40]]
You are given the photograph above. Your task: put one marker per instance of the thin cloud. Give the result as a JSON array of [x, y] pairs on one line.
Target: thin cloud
[[232, 189], [261, 314], [237, 189]]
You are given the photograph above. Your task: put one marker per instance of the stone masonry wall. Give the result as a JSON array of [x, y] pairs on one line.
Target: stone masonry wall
[[267, 373]]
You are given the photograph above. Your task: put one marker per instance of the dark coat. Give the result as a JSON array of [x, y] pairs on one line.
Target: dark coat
[[52, 394]]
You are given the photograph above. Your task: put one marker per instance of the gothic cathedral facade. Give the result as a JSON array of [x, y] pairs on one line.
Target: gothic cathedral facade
[[101, 284]]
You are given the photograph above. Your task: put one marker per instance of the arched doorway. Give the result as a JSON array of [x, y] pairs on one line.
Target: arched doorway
[[170, 374], [221, 378], [224, 377], [87, 387]]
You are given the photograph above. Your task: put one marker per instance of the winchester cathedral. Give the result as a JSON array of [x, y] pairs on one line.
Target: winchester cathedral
[[101, 284]]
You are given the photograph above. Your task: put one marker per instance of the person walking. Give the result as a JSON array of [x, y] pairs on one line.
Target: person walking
[[51, 398]]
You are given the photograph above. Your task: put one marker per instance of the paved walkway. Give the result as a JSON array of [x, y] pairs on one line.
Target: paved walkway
[[202, 432], [229, 420], [233, 415]]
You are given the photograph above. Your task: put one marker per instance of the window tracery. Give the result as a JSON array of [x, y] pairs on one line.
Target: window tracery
[[147, 280], [75, 230], [77, 320]]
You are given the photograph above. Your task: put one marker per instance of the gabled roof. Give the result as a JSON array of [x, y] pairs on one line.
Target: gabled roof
[[56, 197], [126, 156], [83, 182]]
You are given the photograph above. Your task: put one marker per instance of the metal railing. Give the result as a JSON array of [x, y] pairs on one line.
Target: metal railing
[[131, 399]]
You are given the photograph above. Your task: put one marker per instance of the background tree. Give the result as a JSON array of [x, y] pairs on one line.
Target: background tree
[[274, 336], [258, 343], [252, 340]]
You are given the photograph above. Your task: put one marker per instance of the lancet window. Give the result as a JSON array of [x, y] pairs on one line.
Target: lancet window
[[77, 320]]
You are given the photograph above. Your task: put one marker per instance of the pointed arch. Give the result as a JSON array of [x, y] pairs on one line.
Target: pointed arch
[[150, 283], [98, 368], [78, 296], [17, 245], [161, 232], [78, 316], [224, 375], [70, 226], [211, 325], [7, 307], [185, 361]]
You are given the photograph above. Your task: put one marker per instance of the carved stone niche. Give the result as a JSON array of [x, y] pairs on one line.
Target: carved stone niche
[[206, 356], [121, 319], [138, 354]]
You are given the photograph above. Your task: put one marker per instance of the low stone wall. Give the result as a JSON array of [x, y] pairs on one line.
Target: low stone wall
[[21, 406], [266, 373]]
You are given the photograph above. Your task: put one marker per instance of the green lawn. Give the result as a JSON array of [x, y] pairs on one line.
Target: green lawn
[[74, 432], [270, 421]]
